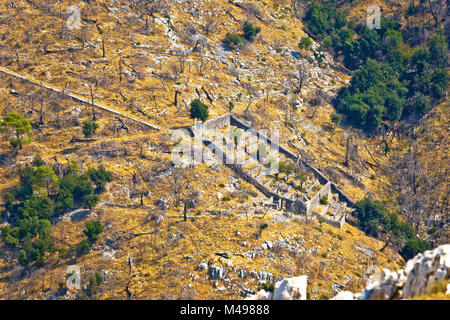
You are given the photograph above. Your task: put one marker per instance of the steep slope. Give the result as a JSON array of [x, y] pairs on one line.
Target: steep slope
[[148, 58]]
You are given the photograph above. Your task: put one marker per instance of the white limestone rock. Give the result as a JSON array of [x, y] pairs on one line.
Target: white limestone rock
[[291, 289], [419, 275], [344, 295]]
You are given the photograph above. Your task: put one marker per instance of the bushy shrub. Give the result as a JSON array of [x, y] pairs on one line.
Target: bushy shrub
[[233, 40], [305, 43], [199, 110], [89, 128], [250, 31], [93, 230], [374, 218]]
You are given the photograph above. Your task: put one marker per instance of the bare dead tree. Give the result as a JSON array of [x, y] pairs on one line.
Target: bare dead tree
[[210, 25], [120, 69], [183, 190], [94, 117], [437, 9], [301, 76], [319, 98], [414, 186]]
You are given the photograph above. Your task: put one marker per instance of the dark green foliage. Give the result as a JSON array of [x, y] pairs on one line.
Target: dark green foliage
[[26, 175], [380, 93], [89, 128], [369, 43], [321, 18], [230, 106], [336, 117], [22, 235], [94, 283], [83, 248], [63, 200], [92, 230], [233, 40], [90, 201], [305, 43], [375, 94], [199, 110], [18, 125], [421, 103], [374, 219], [38, 206], [438, 51], [82, 187], [250, 31], [324, 200], [439, 83], [99, 176], [37, 161], [371, 215], [413, 247], [32, 208]]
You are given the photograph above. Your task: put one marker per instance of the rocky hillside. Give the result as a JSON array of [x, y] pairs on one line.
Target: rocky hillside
[[148, 60], [426, 276]]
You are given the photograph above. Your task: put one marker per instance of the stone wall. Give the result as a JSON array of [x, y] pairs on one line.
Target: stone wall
[[332, 222], [314, 202], [218, 122], [234, 121], [297, 205]]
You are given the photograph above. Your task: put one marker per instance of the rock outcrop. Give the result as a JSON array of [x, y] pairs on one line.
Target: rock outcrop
[[286, 289], [418, 276]]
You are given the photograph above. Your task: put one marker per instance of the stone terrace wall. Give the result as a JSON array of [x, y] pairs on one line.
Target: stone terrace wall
[[335, 223], [322, 179], [229, 119], [218, 122], [314, 202]]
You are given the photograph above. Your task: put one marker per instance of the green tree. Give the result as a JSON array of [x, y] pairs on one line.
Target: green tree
[[413, 247], [320, 18], [233, 40], [439, 83], [438, 50], [90, 201], [20, 125], [199, 110], [82, 187], [372, 215], [250, 31], [305, 43], [63, 200], [45, 177], [369, 43], [37, 161], [89, 128], [99, 176], [375, 94], [421, 103], [40, 206], [92, 230], [94, 283]]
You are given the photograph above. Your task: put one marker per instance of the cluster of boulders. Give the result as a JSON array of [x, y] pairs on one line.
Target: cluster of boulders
[[417, 278], [286, 289]]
